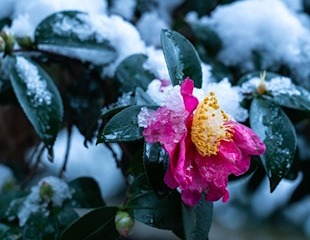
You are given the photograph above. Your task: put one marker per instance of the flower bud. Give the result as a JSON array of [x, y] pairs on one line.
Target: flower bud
[[2, 44], [8, 42], [124, 223], [24, 42], [46, 192], [261, 88]]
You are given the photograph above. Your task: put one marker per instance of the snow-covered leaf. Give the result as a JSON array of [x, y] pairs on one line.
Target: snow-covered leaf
[[93, 226], [197, 220], [122, 127], [71, 33], [181, 58], [279, 89], [131, 74], [272, 125], [38, 96], [156, 161]]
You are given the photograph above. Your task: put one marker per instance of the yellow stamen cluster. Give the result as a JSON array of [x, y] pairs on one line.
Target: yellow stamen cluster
[[208, 127]]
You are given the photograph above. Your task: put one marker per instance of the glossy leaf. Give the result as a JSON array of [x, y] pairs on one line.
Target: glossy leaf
[[144, 206], [95, 225], [38, 97], [156, 161], [181, 58], [71, 33], [197, 220], [122, 127], [86, 193], [6, 197], [296, 97], [131, 74], [272, 125]]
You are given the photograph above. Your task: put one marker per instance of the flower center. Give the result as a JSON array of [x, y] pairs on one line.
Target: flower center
[[210, 126]]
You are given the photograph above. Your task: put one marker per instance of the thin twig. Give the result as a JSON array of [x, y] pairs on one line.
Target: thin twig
[[64, 166]]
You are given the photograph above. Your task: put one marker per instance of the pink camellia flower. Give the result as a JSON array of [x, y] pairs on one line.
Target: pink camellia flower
[[204, 144]]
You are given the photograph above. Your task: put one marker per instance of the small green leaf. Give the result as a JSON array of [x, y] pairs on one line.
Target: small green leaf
[[95, 225], [71, 32], [272, 125], [123, 126], [209, 38], [156, 161], [38, 96], [181, 58], [6, 197], [131, 74], [144, 206], [197, 220], [86, 193]]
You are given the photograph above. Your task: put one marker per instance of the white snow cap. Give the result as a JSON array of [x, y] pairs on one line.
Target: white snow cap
[[6, 175], [267, 27], [28, 14], [34, 203], [150, 26], [124, 8], [156, 63]]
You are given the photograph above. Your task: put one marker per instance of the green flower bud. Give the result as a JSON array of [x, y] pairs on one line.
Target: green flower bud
[[8, 41], [2, 44], [24, 42], [46, 192], [124, 223]]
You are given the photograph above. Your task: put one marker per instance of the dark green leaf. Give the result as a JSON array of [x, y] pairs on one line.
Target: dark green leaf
[[95, 225], [209, 38], [6, 197], [142, 98], [131, 74], [9, 232], [38, 96], [181, 58], [299, 101], [201, 7], [197, 220], [144, 206], [86, 193], [42, 227], [273, 126], [122, 127], [68, 32], [156, 162]]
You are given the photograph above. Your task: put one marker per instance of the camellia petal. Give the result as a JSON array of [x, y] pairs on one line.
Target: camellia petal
[[203, 144]]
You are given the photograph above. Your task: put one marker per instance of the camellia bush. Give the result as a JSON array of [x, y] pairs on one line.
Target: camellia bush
[[195, 94]]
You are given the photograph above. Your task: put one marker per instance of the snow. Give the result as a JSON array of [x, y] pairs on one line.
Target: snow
[[36, 86], [6, 8], [124, 8], [267, 27], [229, 98], [31, 13], [35, 201], [151, 35], [6, 176], [95, 161], [156, 63]]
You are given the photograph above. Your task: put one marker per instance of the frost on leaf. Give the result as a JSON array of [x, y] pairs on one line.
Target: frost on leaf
[[36, 87]]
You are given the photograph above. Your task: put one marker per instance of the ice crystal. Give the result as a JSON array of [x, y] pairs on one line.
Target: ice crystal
[[36, 87]]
